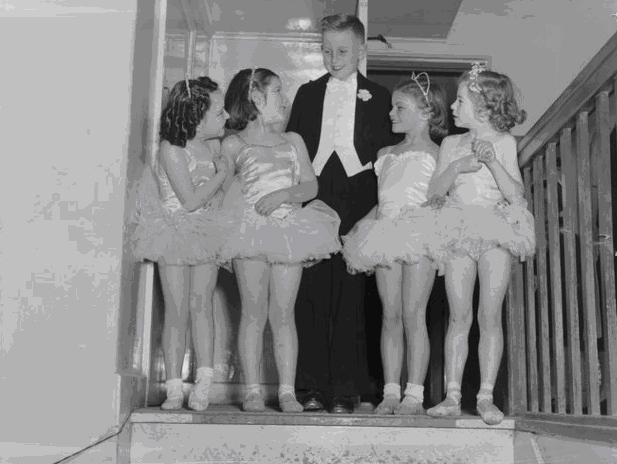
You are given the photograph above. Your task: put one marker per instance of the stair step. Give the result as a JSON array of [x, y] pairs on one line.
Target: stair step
[[225, 434]]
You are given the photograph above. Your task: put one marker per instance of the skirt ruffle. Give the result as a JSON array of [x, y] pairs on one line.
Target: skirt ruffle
[[473, 230], [305, 236], [168, 233], [381, 242]]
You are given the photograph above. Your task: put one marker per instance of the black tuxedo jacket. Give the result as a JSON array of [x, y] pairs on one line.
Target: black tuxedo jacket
[[372, 130]]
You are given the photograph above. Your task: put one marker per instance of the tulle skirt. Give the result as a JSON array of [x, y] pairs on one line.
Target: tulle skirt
[[404, 239], [473, 230], [305, 236], [167, 233]]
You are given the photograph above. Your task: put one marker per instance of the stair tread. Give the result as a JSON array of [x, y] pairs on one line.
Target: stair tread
[[362, 417]]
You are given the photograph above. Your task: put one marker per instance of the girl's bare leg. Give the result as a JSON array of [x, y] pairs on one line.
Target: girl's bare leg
[[284, 284], [389, 282], [460, 281], [418, 282], [494, 275], [203, 282], [253, 280], [175, 283]]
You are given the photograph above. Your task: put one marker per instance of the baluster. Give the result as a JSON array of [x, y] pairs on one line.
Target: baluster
[[569, 198], [542, 270], [555, 268], [606, 250], [532, 354], [587, 263]]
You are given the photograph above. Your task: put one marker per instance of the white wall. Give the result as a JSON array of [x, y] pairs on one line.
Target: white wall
[[541, 45], [64, 113]]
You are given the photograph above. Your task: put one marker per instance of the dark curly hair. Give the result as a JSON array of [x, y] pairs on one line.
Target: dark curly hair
[[434, 101], [343, 22], [238, 103], [496, 96], [183, 113]]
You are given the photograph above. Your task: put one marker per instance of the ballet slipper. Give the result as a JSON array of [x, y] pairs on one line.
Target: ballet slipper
[[199, 398], [490, 414], [289, 403], [387, 406], [410, 406], [447, 408], [253, 403]]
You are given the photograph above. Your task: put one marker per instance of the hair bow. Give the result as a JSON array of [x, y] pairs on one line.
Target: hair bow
[[476, 69]]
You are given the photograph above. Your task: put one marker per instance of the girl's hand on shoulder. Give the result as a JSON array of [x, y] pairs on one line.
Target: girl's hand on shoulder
[[221, 163], [484, 151], [469, 163], [267, 204]]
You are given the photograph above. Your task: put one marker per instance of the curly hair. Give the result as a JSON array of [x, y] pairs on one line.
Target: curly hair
[[434, 101], [343, 22], [184, 111], [238, 102], [496, 96]]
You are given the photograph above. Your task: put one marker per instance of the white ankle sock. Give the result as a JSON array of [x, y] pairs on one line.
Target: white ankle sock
[[251, 388], [392, 390], [454, 391], [284, 389], [485, 393], [415, 392], [173, 387]]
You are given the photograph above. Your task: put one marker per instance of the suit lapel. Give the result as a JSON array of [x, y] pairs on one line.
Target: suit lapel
[[358, 127], [320, 96]]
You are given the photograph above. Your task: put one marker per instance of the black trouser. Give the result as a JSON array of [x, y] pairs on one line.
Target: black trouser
[[330, 304]]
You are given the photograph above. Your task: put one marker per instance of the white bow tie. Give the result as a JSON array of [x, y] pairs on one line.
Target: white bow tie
[[334, 83]]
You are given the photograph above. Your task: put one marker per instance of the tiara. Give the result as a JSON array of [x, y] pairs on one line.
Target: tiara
[[476, 69], [188, 87], [251, 83], [416, 78]]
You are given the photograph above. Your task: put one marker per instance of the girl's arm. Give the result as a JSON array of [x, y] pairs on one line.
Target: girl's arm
[[306, 190], [507, 175], [446, 174], [191, 198]]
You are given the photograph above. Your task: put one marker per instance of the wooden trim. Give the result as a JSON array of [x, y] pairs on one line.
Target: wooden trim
[[600, 430], [554, 249], [601, 68], [404, 60], [307, 37], [362, 14], [189, 65]]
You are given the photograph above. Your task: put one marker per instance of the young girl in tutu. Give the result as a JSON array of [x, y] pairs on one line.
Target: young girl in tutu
[[178, 226], [478, 172], [276, 236], [391, 239]]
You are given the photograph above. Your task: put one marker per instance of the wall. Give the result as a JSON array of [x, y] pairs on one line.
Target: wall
[[66, 92], [542, 46]]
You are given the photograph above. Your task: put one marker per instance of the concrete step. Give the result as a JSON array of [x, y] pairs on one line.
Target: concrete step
[[225, 434]]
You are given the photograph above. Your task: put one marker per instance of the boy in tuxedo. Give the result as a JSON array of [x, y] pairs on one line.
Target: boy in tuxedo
[[343, 119]]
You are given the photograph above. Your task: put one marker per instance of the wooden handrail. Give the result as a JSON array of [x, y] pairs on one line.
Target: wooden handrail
[[593, 77]]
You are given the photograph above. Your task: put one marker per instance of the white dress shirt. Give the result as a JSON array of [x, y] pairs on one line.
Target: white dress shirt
[[337, 127]]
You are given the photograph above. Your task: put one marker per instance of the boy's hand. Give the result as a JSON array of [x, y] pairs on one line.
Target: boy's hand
[[267, 204], [484, 151]]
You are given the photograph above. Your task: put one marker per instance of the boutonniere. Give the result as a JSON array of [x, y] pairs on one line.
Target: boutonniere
[[364, 95]]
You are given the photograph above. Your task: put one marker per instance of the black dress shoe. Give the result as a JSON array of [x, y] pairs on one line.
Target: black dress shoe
[[342, 405], [313, 401]]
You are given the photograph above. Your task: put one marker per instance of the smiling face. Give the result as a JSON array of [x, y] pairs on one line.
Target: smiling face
[[213, 123], [406, 115], [464, 109], [342, 51], [273, 106]]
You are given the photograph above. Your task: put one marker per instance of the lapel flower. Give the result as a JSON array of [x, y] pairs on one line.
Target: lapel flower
[[364, 95]]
